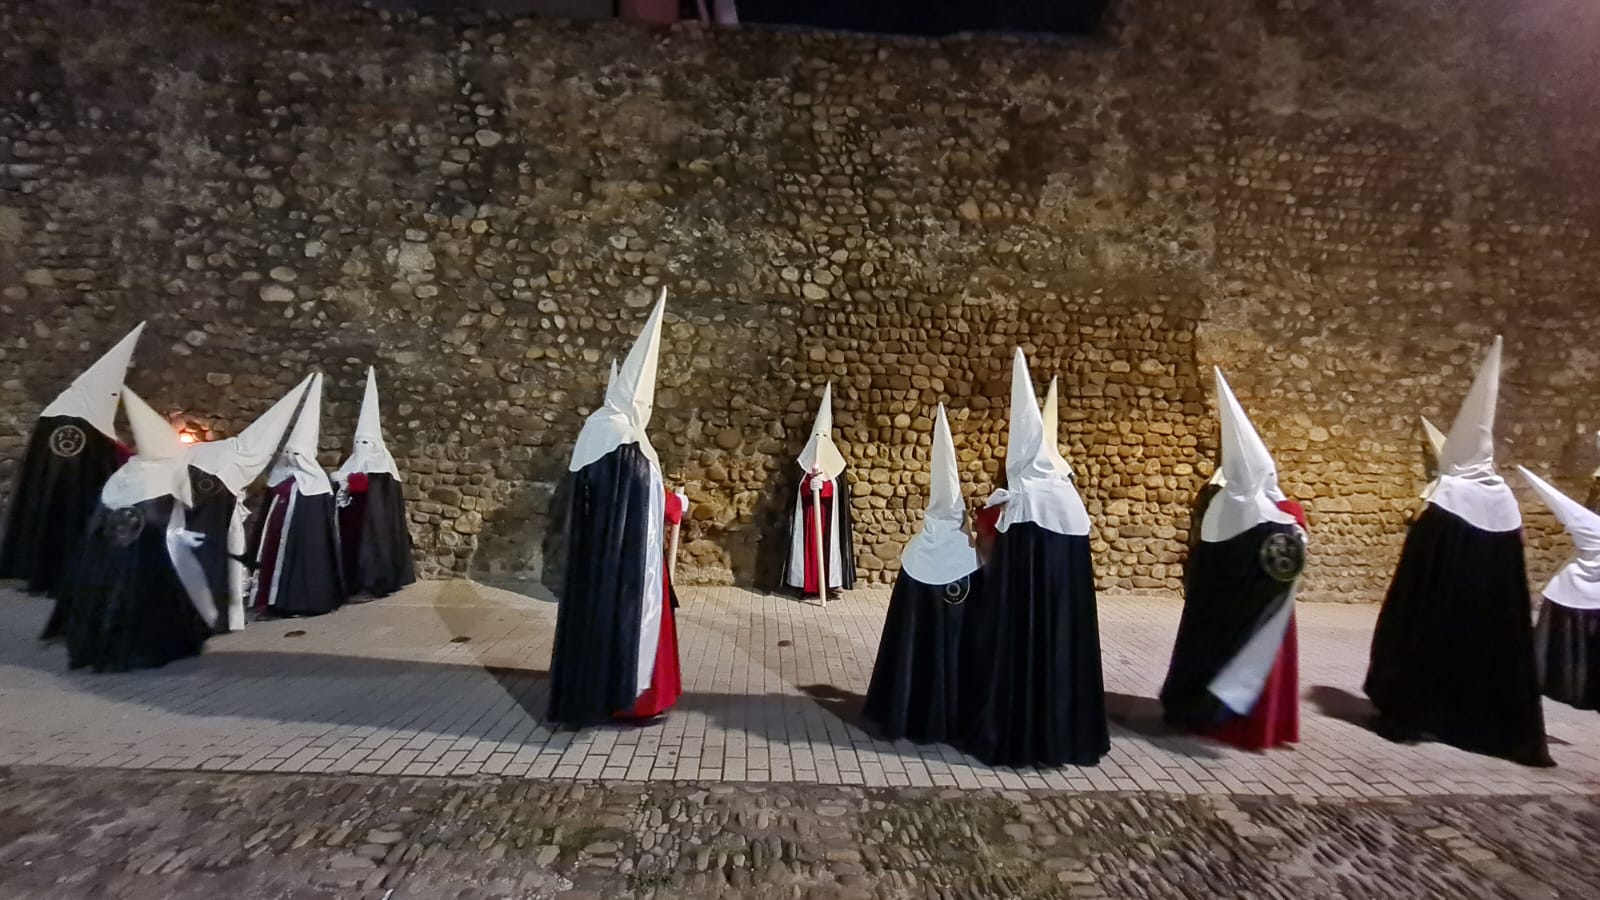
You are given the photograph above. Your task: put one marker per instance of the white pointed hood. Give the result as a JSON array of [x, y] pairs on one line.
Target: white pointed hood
[[237, 461], [821, 454], [611, 378], [298, 459], [369, 454], [93, 395], [1051, 415], [159, 465], [1250, 493], [1577, 585], [941, 551], [630, 398], [1468, 484], [1036, 491]]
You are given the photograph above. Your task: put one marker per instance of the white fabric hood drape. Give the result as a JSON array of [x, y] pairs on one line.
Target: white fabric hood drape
[[1432, 448], [941, 552], [630, 398], [369, 454], [238, 460], [299, 457], [159, 465], [93, 395], [1036, 490], [1052, 427], [1249, 494], [820, 453], [1577, 585], [1468, 484]]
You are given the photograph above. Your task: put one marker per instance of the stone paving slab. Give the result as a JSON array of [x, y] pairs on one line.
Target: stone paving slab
[[73, 833], [448, 678]]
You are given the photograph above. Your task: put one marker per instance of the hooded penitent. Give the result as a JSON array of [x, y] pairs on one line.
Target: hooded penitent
[[373, 534], [1452, 653], [220, 472], [616, 648], [1567, 638], [1032, 689], [1234, 665], [72, 452], [915, 688], [299, 571], [138, 596], [823, 487]]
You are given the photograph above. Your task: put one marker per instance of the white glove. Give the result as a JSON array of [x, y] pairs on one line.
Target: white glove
[[190, 539]]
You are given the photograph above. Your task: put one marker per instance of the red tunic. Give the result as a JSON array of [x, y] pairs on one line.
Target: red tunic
[[1275, 720], [814, 559], [666, 684]]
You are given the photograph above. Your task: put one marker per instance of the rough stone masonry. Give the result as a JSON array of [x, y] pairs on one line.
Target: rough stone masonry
[[1340, 201]]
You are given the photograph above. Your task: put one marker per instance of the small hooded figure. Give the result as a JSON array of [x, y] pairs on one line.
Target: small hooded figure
[[373, 533], [916, 681], [821, 544]]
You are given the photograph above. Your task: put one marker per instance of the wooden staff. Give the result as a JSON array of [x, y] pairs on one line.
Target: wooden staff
[[822, 550], [672, 560]]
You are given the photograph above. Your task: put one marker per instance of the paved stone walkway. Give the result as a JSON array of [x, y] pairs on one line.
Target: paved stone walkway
[[448, 679], [157, 835]]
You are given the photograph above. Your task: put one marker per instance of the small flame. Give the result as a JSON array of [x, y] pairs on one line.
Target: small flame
[[186, 437]]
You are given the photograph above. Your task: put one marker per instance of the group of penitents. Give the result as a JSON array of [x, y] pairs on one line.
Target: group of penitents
[[148, 553], [991, 640]]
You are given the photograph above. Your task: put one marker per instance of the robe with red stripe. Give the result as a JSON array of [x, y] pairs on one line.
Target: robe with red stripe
[[666, 683], [816, 557], [1275, 719]]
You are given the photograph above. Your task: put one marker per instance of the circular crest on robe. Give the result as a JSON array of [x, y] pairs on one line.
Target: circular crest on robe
[[205, 485], [68, 441], [1283, 556], [124, 526], [955, 593], [343, 498]]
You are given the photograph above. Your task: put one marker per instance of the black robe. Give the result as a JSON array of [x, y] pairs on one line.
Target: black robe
[[916, 681], [374, 537], [128, 608], [847, 547], [1033, 694], [1567, 648], [595, 661], [301, 569], [56, 491], [1452, 653], [1228, 596], [211, 515]]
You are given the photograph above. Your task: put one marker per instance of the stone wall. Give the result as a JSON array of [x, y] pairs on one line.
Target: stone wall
[[1340, 202]]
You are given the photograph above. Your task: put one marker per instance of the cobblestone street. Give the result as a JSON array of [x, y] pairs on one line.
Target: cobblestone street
[[75, 834], [393, 750], [448, 678]]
